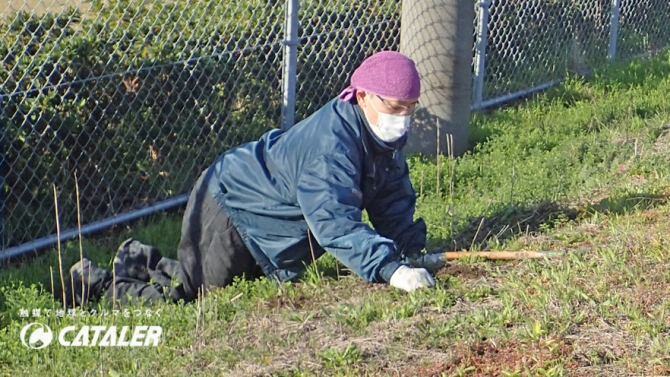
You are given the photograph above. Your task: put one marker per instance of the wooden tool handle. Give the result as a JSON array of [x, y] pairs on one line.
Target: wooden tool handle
[[451, 255]]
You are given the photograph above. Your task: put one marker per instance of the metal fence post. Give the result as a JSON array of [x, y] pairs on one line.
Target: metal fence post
[[289, 64], [614, 29], [480, 53]]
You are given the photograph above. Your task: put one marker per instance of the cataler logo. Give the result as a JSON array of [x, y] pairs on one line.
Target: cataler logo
[[92, 336], [40, 335]]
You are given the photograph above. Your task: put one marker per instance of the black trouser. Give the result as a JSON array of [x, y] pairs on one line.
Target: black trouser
[[211, 254]]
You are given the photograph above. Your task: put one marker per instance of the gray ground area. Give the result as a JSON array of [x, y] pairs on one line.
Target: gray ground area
[[40, 6]]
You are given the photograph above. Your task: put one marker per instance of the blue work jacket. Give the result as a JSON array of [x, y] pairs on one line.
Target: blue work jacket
[[294, 195]]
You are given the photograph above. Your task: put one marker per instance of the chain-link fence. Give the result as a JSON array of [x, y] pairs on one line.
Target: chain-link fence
[[131, 99], [522, 46], [644, 26], [135, 97]]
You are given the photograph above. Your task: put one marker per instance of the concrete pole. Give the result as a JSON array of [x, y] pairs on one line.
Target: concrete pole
[[438, 35]]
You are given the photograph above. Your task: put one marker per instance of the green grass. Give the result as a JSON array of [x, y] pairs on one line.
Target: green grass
[[584, 164]]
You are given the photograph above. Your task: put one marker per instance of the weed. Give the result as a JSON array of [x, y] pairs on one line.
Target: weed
[[333, 358]]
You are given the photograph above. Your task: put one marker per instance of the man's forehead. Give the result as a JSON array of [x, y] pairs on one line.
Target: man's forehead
[[397, 101]]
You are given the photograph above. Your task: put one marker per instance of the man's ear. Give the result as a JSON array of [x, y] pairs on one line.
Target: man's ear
[[360, 98]]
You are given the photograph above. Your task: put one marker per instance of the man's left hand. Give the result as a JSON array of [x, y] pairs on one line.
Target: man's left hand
[[431, 262]]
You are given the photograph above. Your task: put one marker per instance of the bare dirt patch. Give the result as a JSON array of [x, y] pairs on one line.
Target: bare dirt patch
[[489, 359], [294, 303], [662, 142], [463, 271]]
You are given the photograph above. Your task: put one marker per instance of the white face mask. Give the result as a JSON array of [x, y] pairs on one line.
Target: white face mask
[[390, 127]]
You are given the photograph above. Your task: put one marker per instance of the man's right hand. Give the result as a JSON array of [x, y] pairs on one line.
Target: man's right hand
[[410, 279]]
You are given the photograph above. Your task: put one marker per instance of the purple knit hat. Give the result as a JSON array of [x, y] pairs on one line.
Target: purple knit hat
[[386, 73]]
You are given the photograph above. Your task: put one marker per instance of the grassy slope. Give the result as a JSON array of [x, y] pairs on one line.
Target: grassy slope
[[582, 165]]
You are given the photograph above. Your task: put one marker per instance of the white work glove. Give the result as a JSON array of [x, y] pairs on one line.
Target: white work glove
[[410, 279]]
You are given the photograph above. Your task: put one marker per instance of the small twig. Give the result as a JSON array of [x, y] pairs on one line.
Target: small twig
[[423, 175], [232, 326], [236, 297], [113, 284], [437, 158], [472, 245], [89, 285], [502, 231], [74, 294], [204, 310], [337, 269], [452, 174], [485, 242], [511, 193], [81, 248], [111, 202], [51, 273], [311, 249], [198, 317], [60, 257]]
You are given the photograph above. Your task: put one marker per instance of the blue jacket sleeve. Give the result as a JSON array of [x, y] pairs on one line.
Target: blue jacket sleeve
[[329, 196], [392, 213]]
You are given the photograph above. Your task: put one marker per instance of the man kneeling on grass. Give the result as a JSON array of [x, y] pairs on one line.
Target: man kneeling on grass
[[269, 207]]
